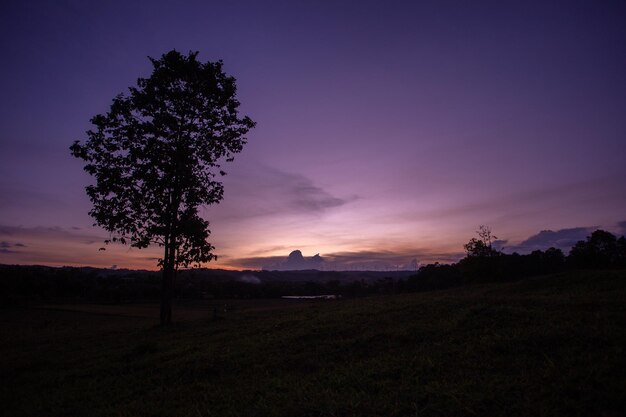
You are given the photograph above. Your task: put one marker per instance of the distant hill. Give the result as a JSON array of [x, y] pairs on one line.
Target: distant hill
[[210, 273], [20, 284]]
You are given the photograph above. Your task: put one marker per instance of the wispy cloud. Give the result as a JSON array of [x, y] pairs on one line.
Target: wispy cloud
[[7, 247], [257, 191], [389, 259], [52, 232], [350, 260], [562, 239], [15, 200], [66, 246], [531, 201]]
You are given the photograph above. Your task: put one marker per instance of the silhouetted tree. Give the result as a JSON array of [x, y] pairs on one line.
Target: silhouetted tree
[[601, 249], [483, 262], [435, 277], [553, 260], [483, 246], [155, 156], [621, 251]]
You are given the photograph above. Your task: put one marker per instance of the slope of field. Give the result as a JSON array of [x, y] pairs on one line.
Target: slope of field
[[550, 345]]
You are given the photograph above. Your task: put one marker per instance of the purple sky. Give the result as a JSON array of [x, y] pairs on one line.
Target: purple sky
[[386, 130]]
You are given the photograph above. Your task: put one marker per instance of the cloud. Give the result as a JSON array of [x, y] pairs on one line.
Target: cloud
[[562, 239], [296, 261], [257, 191], [264, 250], [298, 193], [385, 260], [7, 247], [341, 261], [65, 246], [51, 232], [308, 197], [540, 201], [256, 262], [23, 198], [499, 244], [621, 228]]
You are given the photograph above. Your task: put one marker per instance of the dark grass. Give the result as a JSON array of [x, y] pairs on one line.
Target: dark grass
[[546, 346]]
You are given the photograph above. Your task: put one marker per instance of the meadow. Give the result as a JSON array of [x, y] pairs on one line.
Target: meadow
[[542, 346]]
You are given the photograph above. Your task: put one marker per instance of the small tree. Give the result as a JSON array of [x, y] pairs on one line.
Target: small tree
[[483, 262], [483, 246], [155, 157]]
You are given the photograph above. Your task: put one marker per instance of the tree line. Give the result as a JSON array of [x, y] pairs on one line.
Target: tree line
[[482, 263], [601, 249]]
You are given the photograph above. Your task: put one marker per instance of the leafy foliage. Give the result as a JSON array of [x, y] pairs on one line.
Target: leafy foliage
[[483, 246], [156, 154], [600, 249]]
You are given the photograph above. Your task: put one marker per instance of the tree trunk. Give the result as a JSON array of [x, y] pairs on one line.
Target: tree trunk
[[167, 286], [166, 296]]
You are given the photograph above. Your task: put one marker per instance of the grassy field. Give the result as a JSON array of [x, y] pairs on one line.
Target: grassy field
[[539, 347]]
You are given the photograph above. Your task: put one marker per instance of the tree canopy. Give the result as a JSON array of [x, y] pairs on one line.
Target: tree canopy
[[483, 246], [600, 249], [156, 157]]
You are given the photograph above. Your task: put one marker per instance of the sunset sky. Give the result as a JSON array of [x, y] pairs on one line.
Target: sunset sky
[[386, 130]]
